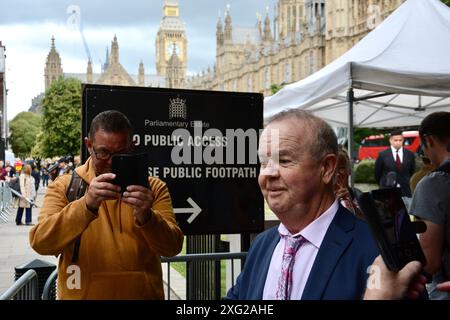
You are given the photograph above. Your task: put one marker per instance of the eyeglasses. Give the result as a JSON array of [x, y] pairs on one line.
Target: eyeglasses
[[105, 154]]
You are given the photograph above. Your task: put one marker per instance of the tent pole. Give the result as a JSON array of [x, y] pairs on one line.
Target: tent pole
[[350, 99]]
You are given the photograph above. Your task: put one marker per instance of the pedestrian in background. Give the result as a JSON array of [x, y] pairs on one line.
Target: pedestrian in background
[[347, 196], [395, 166], [28, 193]]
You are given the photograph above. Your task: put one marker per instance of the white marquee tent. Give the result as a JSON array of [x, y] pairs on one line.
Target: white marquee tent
[[395, 76]]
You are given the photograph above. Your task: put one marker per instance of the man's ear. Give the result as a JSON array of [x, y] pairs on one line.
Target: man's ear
[[430, 141], [328, 169], [87, 142]]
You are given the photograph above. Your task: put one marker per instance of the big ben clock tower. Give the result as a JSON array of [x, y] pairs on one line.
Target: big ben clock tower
[[171, 40]]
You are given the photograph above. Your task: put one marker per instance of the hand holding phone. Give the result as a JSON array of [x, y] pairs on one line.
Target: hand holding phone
[[130, 169]]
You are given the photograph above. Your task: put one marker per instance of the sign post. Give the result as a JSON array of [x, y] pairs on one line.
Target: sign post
[[202, 144]]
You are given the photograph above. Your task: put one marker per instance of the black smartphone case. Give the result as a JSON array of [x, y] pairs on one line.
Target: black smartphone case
[[391, 227], [130, 169]]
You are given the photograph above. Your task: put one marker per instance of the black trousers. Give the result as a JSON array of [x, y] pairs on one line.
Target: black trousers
[[20, 213]]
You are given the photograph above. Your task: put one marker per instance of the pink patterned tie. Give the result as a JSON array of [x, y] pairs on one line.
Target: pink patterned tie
[[291, 245]]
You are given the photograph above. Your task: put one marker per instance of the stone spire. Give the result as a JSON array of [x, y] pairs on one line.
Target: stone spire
[[174, 71], [114, 58], [258, 24], [53, 69], [228, 27], [115, 74], [267, 31], [106, 64], [89, 73], [219, 32], [141, 80]]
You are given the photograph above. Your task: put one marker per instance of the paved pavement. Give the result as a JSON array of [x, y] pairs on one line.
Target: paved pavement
[[15, 250]]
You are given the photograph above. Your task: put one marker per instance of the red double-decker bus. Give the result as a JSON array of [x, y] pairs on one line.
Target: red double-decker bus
[[372, 145]]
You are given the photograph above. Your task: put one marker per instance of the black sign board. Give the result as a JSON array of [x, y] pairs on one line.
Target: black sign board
[[203, 144]]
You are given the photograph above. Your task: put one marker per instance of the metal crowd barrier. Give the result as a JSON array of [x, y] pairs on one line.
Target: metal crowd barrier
[[25, 288], [49, 291], [6, 201], [18, 194], [200, 257]]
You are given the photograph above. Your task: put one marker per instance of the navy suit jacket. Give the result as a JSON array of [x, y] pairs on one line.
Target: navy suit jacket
[[339, 271], [386, 163]]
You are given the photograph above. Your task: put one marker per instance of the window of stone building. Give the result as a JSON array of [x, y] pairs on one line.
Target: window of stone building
[[249, 83], [267, 78], [294, 18], [288, 19], [287, 73], [311, 62]]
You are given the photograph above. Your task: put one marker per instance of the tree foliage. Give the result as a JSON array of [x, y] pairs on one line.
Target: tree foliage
[[274, 88], [24, 128], [447, 2], [61, 123]]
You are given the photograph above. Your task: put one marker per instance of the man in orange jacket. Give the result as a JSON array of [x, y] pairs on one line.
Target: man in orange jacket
[[121, 237]]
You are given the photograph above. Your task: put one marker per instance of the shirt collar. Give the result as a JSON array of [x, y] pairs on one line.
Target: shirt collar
[[394, 151], [316, 230]]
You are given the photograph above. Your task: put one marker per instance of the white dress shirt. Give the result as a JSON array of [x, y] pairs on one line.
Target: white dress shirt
[[400, 154], [304, 258]]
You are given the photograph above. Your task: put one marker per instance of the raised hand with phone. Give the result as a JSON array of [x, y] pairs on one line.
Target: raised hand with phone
[[119, 231]]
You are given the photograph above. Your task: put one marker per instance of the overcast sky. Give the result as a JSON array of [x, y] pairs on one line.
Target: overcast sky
[[26, 28]]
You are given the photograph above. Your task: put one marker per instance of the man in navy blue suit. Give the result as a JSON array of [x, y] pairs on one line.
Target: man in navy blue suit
[[320, 250], [395, 166]]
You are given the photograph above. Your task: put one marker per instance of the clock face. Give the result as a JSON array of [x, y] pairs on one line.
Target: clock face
[[170, 49]]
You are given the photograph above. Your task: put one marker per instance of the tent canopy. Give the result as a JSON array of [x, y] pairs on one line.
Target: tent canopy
[[399, 73]]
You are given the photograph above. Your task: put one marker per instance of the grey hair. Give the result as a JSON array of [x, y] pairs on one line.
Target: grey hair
[[323, 139]]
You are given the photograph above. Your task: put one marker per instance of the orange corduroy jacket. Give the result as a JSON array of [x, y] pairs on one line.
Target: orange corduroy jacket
[[118, 259]]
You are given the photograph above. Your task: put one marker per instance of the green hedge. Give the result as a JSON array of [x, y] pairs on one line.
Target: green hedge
[[365, 171]]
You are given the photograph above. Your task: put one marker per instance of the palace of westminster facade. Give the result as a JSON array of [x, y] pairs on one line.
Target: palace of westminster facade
[[303, 36]]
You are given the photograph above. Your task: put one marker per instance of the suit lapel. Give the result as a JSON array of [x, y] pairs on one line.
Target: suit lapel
[[333, 246], [260, 279], [391, 159]]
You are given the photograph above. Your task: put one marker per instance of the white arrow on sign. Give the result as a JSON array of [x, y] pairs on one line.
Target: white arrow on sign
[[195, 210]]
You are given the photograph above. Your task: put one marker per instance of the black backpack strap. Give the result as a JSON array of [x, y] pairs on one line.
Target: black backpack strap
[[76, 189]]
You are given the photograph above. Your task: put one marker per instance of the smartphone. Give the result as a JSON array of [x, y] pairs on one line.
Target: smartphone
[[389, 222], [130, 169]]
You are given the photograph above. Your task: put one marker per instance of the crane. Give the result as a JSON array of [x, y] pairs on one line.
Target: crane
[[74, 21]]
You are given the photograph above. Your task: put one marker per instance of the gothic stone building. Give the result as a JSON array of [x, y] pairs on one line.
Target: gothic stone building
[[171, 59], [305, 36], [302, 37]]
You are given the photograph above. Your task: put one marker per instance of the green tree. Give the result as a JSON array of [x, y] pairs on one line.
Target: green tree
[[447, 2], [38, 150], [274, 88], [61, 123], [24, 128]]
